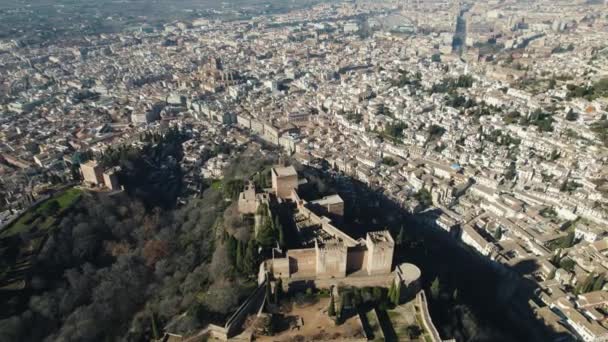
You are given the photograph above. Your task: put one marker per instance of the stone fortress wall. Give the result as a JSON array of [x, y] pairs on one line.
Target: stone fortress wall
[[335, 260], [335, 254]]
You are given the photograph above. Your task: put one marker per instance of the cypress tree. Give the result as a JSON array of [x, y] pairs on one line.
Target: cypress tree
[[587, 285], [278, 291], [331, 311], [400, 236], [391, 291], [598, 283], [266, 234], [268, 292], [239, 256], [357, 300], [232, 248], [568, 240], [249, 258], [281, 236], [498, 234], [276, 223], [279, 230], [340, 312], [396, 294], [435, 288], [154, 328], [346, 299], [377, 294]]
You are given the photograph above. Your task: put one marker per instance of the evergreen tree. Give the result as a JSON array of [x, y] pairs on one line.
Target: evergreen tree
[[281, 237], [357, 300], [232, 249], [577, 289], [435, 288], [556, 258], [587, 285], [262, 210], [331, 310], [400, 236], [568, 240], [279, 231], [377, 294], [497, 234], [239, 256], [598, 283], [249, 260], [269, 297], [391, 291], [266, 234], [270, 325], [567, 264], [154, 328], [278, 291], [397, 295], [394, 293], [340, 313], [346, 299]]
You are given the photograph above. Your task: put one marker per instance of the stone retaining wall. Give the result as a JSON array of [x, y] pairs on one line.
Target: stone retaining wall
[[426, 317]]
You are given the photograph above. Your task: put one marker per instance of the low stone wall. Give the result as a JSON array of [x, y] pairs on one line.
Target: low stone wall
[[250, 306], [217, 332], [212, 330], [426, 317], [355, 281]]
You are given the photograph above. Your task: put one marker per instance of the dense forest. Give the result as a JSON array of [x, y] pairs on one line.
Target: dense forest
[[112, 267], [150, 170], [118, 268]]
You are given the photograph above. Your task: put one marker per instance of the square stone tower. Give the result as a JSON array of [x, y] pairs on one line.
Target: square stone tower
[[247, 199], [284, 180], [380, 249], [110, 178], [331, 259], [92, 173]]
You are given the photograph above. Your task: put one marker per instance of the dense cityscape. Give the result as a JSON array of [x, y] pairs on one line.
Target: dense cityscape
[[483, 123]]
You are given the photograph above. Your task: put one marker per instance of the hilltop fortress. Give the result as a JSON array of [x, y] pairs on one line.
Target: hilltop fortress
[[326, 254], [321, 256]]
